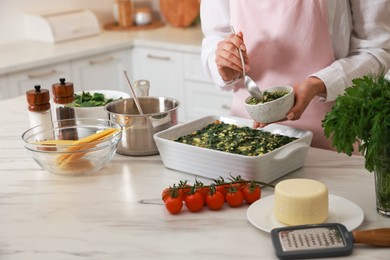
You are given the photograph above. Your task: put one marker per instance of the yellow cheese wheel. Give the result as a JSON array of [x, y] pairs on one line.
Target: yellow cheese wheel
[[301, 201]]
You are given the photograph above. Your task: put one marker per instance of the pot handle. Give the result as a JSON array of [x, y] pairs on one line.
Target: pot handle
[[284, 153], [142, 88]]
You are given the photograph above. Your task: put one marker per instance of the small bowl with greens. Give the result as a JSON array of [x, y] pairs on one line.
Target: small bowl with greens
[[277, 102], [90, 104]]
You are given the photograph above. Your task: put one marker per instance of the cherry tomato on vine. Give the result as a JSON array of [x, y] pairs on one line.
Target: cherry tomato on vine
[[239, 182], [173, 192], [234, 197], [183, 189], [252, 192], [194, 201], [221, 185], [239, 186], [203, 191], [165, 193], [173, 205], [215, 200], [222, 189]]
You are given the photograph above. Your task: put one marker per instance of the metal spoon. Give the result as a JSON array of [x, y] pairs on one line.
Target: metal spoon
[[133, 93], [250, 85]]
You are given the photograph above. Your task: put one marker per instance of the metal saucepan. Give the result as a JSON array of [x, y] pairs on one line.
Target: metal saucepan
[[160, 113]]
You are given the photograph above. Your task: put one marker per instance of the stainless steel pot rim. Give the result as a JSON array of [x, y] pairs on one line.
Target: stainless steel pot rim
[[147, 114]]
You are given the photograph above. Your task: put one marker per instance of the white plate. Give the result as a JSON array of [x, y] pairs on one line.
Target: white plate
[[260, 213]]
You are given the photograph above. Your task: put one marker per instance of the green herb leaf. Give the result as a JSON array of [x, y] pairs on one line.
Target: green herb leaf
[[87, 99], [362, 114]]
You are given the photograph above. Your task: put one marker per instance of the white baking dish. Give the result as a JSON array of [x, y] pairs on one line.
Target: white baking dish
[[214, 164]]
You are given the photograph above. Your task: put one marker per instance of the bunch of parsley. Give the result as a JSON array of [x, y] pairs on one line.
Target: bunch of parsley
[[362, 114]]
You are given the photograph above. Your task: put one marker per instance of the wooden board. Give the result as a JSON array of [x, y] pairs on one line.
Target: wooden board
[[180, 13], [116, 27]]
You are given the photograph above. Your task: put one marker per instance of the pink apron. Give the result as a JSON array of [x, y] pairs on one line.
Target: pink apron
[[286, 41]]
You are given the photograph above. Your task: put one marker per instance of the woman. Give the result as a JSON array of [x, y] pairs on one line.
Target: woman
[[317, 46]]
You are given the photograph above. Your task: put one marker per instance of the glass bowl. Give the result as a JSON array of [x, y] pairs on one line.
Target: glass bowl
[[73, 146]]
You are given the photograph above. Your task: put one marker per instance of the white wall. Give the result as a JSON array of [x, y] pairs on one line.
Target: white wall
[[12, 11]]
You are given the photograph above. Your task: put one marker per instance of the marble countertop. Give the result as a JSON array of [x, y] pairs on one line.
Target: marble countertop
[[118, 213], [26, 54]]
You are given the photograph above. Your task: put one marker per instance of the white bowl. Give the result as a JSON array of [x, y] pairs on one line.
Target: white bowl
[[98, 112], [272, 111]]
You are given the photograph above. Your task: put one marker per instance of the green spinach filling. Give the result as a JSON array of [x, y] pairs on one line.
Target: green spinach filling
[[267, 97], [234, 139]]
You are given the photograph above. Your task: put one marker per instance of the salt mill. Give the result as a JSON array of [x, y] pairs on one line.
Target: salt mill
[[63, 93], [38, 106]]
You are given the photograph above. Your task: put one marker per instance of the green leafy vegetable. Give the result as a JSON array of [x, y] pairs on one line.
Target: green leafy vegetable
[[86, 99], [234, 139], [267, 97], [362, 114]]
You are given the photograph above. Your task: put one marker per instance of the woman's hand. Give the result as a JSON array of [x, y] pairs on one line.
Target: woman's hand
[[303, 93], [228, 59]]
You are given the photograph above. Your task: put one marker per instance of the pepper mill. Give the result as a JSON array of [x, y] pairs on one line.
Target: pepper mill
[[63, 98]]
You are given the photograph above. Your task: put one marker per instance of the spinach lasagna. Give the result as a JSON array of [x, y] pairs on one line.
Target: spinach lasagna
[[234, 139]]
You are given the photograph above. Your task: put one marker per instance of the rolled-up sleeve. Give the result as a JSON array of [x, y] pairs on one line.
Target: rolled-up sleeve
[[215, 21], [369, 47]]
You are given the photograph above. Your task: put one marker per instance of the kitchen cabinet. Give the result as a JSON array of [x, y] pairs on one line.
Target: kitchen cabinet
[[180, 75], [203, 98], [3, 87], [20, 82], [163, 68], [168, 57], [175, 74], [103, 71]]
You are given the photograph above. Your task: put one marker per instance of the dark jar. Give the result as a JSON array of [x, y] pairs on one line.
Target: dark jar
[[63, 98]]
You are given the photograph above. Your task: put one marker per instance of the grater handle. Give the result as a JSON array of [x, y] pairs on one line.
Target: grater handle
[[373, 237]]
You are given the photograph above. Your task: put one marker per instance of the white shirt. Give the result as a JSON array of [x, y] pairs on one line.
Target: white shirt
[[360, 32]]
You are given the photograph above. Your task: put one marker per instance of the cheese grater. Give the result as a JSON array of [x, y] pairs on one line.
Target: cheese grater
[[323, 240]]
